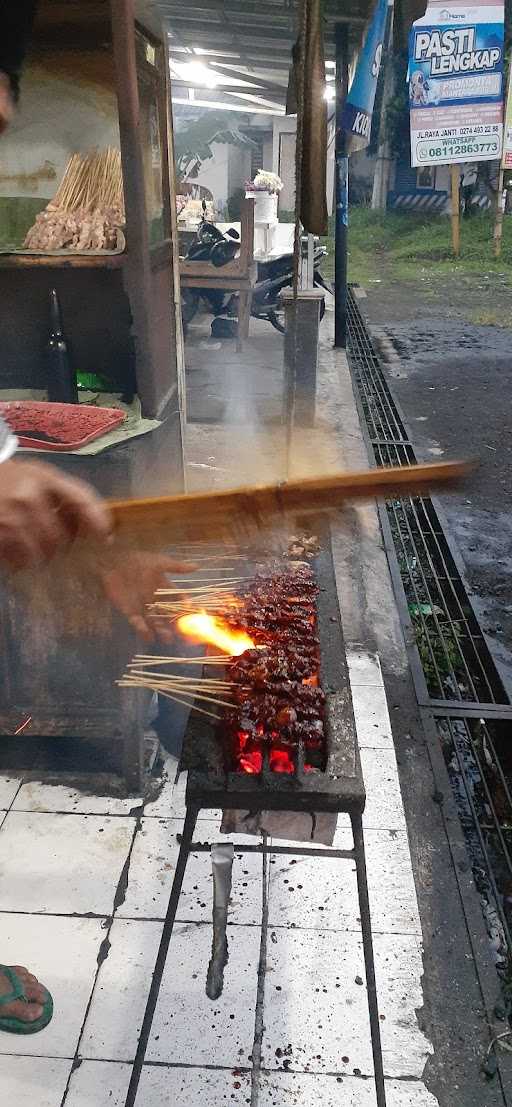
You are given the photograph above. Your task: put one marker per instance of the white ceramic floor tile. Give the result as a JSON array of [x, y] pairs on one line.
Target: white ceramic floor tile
[[162, 805], [71, 863], [363, 667], [37, 1081], [316, 1003], [36, 796], [188, 1027], [170, 803], [321, 893], [299, 1089], [99, 1084], [384, 807], [8, 787], [152, 867], [372, 718], [176, 1087], [117, 1008], [63, 953]]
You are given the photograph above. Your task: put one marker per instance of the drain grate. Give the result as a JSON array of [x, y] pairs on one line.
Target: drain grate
[[453, 670], [455, 662], [478, 757]]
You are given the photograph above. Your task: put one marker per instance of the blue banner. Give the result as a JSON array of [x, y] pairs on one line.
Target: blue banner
[[358, 109]]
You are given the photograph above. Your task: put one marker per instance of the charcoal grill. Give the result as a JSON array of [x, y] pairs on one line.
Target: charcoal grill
[[337, 787]]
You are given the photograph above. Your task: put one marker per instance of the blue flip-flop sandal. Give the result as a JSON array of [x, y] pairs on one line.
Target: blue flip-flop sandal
[[19, 1026]]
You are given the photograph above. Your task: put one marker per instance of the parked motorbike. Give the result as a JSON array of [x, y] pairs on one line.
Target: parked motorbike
[[276, 275], [273, 276]]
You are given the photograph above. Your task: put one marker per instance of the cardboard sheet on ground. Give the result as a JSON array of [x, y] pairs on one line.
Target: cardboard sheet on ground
[[316, 828]]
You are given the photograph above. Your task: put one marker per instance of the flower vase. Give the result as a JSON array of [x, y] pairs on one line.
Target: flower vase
[[265, 206]]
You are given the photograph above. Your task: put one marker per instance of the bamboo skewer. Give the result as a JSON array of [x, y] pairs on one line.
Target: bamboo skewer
[[167, 686], [149, 659], [192, 682]]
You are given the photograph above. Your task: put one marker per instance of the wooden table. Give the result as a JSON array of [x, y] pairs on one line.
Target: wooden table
[[239, 275]]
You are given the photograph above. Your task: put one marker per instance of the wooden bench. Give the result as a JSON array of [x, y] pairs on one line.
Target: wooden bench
[[237, 276]]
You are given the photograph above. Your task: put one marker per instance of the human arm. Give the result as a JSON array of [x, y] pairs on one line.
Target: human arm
[[42, 511]]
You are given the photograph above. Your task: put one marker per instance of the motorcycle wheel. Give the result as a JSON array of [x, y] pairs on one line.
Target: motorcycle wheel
[[276, 317]]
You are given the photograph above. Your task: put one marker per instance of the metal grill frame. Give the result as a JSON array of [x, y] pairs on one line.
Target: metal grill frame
[[339, 788]]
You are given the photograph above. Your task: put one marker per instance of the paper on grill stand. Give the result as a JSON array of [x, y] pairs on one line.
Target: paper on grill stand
[[315, 827]]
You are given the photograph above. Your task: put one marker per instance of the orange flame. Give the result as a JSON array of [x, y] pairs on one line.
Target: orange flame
[[211, 629]]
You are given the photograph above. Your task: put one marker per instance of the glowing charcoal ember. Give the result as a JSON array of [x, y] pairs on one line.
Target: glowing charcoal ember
[[249, 759], [280, 761]]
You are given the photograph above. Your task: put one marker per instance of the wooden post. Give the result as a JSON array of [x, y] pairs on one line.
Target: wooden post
[[500, 209], [341, 170], [455, 176]]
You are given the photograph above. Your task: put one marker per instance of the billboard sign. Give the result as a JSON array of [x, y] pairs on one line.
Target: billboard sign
[[456, 83]]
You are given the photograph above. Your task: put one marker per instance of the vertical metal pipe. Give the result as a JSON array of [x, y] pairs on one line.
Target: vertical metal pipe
[[341, 170]]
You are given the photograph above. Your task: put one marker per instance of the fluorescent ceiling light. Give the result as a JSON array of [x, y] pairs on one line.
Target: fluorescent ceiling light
[[330, 93], [330, 65], [196, 73]]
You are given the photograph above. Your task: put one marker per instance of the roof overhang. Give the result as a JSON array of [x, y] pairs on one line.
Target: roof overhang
[[243, 48]]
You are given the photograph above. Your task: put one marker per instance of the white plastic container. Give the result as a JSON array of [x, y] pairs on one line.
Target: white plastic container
[[265, 206]]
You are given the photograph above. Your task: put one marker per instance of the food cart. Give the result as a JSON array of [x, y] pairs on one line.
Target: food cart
[[96, 76]]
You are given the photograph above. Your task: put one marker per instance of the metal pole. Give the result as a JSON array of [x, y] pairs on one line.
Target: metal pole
[[341, 170]]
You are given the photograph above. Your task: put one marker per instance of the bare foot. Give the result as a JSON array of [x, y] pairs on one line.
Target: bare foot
[[34, 991]]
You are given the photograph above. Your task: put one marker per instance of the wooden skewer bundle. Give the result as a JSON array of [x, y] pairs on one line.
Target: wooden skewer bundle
[[91, 181], [87, 210]]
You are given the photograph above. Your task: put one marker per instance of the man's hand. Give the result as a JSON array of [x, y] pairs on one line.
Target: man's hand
[[131, 586], [6, 102], [42, 512]]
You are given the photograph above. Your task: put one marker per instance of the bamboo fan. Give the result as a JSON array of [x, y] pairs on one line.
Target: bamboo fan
[[243, 512]]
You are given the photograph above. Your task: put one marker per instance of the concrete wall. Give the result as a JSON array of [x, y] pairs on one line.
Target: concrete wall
[[59, 113], [214, 175], [239, 167]]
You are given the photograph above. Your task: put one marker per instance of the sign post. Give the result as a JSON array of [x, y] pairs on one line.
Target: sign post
[[506, 163], [455, 208]]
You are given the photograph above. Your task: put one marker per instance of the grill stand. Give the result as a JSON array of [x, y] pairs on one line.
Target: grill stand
[[187, 846]]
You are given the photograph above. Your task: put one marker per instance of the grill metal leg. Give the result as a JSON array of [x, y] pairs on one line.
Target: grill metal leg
[[186, 842], [366, 926]]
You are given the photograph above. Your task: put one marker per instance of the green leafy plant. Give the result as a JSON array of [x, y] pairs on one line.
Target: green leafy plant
[[193, 143]]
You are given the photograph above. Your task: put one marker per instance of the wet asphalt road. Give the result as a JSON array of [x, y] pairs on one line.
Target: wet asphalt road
[[453, 382]]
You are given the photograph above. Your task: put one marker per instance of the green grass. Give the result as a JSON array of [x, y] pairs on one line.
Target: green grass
[[406, 246]]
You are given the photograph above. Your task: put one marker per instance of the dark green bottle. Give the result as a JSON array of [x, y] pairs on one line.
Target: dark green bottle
[[60, 374]]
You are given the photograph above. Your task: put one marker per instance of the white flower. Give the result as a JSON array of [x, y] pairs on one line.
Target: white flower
[[265, 181]]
